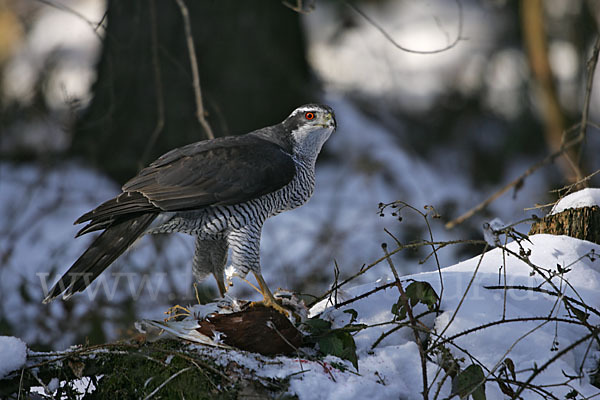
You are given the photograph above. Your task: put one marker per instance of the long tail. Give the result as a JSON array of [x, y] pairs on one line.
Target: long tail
[[102, 252]]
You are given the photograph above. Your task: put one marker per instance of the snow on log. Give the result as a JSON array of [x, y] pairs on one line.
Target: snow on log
[[576, 215]]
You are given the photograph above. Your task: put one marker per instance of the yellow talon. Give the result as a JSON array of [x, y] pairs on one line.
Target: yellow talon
[[174, 312], [196, 290], [253, 285], [268, 298], [276, 306]]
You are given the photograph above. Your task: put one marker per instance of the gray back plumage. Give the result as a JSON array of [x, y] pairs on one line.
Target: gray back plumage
[[222, 171]]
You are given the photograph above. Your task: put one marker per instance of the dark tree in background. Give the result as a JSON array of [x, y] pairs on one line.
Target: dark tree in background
[[252, 67]]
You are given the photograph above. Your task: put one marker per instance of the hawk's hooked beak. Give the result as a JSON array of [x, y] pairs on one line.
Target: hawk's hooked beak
[[330, 121]]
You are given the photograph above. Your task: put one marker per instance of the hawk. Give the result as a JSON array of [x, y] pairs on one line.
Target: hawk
[[221, 191]]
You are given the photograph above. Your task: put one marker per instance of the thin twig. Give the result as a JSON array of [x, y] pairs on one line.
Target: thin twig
[[505, 295], [517, 181], [413, 245], [386, 334], [433, 249], [450, 339], [206, 376], [399, 325], [200, 113], [565, 190], [558, 354], [194, 360], [591, 69], [585, 355], [21, 384], [399, 46], [413, 323], [69, 10], [546, 291], [367, 294], [464, 296], [175, 375]]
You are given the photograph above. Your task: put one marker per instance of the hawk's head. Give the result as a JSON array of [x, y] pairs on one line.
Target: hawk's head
[[310, 126]]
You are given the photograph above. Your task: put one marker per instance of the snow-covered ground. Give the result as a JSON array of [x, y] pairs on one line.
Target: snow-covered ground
[[395, 361], [544, 338], [13, 354], [532, 328]]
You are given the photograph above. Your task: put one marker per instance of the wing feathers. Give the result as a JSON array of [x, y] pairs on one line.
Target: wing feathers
[[227, 171]]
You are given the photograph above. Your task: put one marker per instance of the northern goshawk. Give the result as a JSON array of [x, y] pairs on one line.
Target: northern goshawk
[[221, 191]]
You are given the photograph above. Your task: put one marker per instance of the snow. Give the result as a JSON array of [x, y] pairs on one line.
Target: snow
[[527, 343], [491, 231], [587, 197], [518, 328], [82, 386], [13, 353], [392, 368]]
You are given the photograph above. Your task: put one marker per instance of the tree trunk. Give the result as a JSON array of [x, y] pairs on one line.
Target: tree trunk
[[581, 223], [252, 68]]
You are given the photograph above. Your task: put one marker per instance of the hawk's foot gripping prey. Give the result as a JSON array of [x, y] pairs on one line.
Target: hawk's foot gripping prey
[[221, 191]]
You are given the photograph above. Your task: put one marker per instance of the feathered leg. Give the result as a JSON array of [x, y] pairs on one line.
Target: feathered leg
[[210, 257]]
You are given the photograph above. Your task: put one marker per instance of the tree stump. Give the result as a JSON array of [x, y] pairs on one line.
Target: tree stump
[[581, 223]]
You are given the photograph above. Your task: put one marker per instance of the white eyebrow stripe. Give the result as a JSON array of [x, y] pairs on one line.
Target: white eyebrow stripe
[[303, 109]]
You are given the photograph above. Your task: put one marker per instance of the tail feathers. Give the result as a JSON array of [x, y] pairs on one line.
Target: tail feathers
[[103, 251], [95, 226]]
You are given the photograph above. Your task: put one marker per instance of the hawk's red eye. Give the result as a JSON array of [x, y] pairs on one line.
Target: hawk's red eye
[[309, 115]]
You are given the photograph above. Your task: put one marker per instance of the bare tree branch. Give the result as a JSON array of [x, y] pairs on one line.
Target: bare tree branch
[[175, 375], [200, 112], [517, 181], [536, 45], [63, 7], [564, 148], [399, 46], [591, 69], [301, 6], [558, 354]]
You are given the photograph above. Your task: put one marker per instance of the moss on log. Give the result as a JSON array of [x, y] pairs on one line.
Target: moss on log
[[165, 369]]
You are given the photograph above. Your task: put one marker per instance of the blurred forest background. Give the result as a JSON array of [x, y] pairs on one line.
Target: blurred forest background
[[438, 103]]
